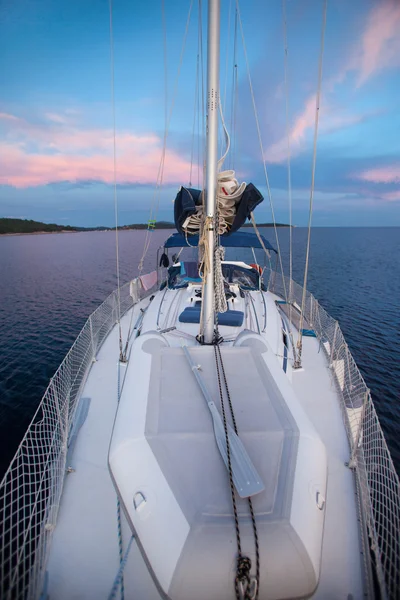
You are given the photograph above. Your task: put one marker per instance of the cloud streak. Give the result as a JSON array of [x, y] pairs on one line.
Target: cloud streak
[[380, 41], [330, 120], [33, 155], [385, 174], [379, 49]]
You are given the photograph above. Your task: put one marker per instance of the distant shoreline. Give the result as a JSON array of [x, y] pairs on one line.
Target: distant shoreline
[[9, 226], [55, 232]]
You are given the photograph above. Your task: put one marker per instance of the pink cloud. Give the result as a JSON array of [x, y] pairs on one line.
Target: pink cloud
[[34, 155], [56, 118], [330, 120], [380, 41], [278, 151], [379, 49], [8, 117], [386, 174], [391, 196]]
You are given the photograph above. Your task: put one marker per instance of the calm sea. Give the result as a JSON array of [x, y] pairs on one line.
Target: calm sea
[[49, 284]]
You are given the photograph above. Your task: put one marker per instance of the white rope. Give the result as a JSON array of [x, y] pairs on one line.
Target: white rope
[[261, 145], [317, 104], [229, 193], [219, 290], [267, 252], [228, 38], [115, 176], [227, 138]]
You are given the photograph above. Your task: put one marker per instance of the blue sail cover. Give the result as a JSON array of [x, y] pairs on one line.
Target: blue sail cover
[[239, 239], [187, 199]]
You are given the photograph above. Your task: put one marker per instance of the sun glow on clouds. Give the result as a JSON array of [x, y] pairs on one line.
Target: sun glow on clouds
[[378, 49], [389, 174], [331, 120], [58, 150], [381, 40]]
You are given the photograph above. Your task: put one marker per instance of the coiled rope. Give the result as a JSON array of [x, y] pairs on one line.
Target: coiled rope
[[229, 193]]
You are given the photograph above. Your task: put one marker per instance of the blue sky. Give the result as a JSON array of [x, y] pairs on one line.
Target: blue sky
[[56, 127]]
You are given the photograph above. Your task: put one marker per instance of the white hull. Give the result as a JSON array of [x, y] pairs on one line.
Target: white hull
[[70, 544], [85, 540]]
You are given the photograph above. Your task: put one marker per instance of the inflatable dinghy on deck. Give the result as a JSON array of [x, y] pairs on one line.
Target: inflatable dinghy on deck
[[175, 488]]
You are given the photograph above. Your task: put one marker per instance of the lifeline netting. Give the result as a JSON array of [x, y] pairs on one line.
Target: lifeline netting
[[31, 489], [377, 481]]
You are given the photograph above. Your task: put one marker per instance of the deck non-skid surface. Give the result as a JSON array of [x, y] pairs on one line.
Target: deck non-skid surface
[[341, 553], [84, 556]]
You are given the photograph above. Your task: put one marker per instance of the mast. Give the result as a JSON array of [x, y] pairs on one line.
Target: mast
[[213, 43]]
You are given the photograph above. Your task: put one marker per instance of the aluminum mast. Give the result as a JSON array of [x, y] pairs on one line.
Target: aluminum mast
[[213, 44]]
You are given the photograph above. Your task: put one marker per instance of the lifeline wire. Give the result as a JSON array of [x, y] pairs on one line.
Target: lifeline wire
[[317, 103], [115, 177], [261, 146]]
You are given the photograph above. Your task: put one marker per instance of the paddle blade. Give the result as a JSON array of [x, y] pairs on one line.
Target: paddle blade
[[245, 477]]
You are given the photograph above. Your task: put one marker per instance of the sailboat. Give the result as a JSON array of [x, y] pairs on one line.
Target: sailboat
[[210, 455]]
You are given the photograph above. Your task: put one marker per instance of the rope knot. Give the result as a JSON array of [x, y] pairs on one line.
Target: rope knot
[[243, 568], [246, 585]]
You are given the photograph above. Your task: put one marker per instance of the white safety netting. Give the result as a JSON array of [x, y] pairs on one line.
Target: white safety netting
[[31, 488], [377, 480]]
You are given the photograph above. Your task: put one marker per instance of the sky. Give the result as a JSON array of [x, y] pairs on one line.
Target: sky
[[56, 109]]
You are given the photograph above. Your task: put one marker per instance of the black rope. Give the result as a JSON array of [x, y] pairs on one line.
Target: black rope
[[243, 566]]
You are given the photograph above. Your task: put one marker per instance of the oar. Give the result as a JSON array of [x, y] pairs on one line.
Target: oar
[[245, 477]]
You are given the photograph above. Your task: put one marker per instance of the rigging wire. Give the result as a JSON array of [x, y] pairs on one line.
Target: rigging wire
[[196, 107], [285, 49], [261, 146], [200, 93], [160, 175], [203, 113], [234, 94], [317, 105], [288, 155], [115, 177], [195, 115], [164, 27], [228, 39]]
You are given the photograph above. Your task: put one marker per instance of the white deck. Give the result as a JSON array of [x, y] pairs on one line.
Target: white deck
[[84, 558]]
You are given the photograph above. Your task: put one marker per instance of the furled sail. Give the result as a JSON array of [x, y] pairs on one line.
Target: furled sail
[[235, 203]]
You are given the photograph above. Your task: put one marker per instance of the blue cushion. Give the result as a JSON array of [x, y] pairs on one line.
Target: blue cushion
[[231, 318]]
